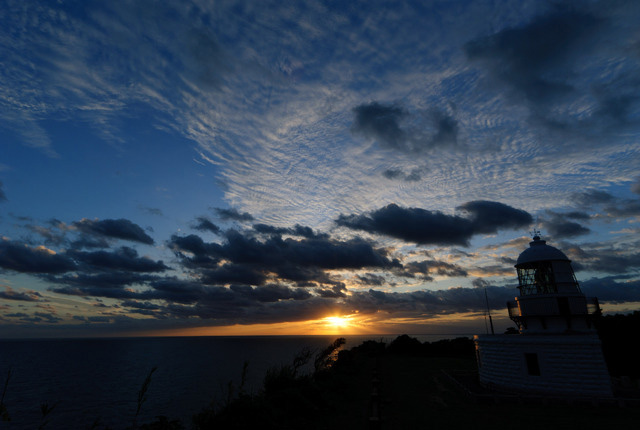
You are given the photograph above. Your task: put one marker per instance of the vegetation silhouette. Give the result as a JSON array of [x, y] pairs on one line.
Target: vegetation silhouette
[[45, 410], [618, 333], [142, 396], [325, 397], [289, 398]]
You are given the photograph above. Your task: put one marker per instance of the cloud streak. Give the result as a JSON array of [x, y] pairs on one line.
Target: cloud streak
[[432, 227], [114, 229], [22, 258], [383, 124]]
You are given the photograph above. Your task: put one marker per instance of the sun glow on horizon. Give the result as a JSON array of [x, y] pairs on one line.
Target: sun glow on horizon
[[337, 322], [344, 325]]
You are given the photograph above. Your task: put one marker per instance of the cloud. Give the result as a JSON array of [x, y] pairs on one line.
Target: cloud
[[188, 292], [372, 279], [297, 230], [559, 227], [36, 318], [233, 311], [446, 128], [624, 208], [548, 65], [335, 292], [613, 289], [505, 269], [582, 216], [440, 268], [591, 197], [529, 58], [321, 253], [271, 293], [205, 224], [242, 258], [25, 259], [47, 317], [635, 185], [99, 319], [412, 225], [233, 274], [114, 228], [114, 280], [248, 264], [205, 59], [414, 175], [17, 315], [422, 226], [429, 303], [140, 305], [393, 174], [233, 215], [50, 234], [194, 252], [151, 211], [382, 124], [489, 217], [27, 296], [125, 259], [3, 196], [620, 258], [88, 291], [89, 242], [613, 206]]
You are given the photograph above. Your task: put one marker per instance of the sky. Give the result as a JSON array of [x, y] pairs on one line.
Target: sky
[[310, 167]]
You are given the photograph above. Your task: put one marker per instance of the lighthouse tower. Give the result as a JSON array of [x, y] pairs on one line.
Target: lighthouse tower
[[557, 351]]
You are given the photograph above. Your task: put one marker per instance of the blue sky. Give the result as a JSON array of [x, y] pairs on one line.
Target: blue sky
[[193, 165]]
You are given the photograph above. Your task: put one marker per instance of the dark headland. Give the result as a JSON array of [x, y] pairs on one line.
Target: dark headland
[[407, 384]]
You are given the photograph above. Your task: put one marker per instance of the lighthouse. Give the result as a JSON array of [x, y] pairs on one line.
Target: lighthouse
[[557, 350]]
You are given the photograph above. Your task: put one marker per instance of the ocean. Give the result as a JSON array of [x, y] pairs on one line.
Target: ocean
[[96, 381]]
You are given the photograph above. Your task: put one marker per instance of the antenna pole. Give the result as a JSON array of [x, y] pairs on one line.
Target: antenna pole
[[486, 326], [488, 309]]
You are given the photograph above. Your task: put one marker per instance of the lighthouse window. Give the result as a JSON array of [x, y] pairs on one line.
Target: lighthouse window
[[533, 367], [537, 279]]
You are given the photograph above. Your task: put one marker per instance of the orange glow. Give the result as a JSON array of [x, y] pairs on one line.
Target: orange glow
[[337, 322], [332, 325], [379, 323]]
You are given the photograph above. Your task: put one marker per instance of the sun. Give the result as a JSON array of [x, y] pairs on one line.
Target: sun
[[337, 322]]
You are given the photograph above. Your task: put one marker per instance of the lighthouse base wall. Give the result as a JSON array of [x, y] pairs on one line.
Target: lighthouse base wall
[[568, 365]]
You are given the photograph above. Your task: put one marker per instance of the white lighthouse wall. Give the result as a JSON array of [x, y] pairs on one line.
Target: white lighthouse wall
[[543, 314], [568, 364]]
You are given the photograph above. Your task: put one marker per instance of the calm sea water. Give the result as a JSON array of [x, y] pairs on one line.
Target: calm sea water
[[91, 380]]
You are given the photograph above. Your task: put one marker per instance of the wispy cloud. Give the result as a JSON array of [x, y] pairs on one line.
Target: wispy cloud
[[271, 100]]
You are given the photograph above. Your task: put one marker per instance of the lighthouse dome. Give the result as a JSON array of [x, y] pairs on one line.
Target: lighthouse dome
[[539, 251]]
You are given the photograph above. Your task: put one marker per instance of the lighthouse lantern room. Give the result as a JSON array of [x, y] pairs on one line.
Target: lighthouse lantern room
[[557, 350]]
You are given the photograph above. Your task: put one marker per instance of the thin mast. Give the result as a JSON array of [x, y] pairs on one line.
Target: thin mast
[[488, 310]]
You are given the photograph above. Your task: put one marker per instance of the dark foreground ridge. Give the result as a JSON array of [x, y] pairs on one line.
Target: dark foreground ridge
[[347, 389], [405, 384]]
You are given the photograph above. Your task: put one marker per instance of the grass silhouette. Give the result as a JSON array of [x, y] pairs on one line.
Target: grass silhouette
[[142, 396]]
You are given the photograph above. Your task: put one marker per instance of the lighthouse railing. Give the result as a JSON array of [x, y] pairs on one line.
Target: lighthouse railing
[[593, 307], [550, 305], [514, 310]]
